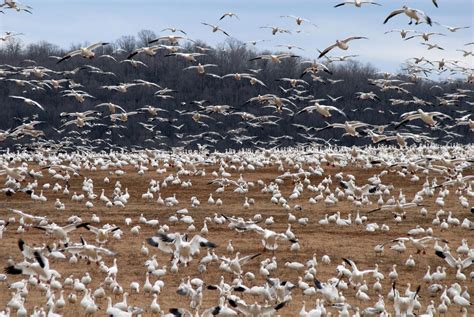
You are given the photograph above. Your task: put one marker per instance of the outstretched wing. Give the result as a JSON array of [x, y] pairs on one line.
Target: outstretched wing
[[197, 242], [392, 14]]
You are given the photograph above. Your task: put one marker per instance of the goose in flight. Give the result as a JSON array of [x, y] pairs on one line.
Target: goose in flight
[[291, 46], [396, 207], [255, 310], [85, 52], [39, 268], [173, 30], [328, 290], [215, 28], [102, 234], [419, 244], [426, 117], [254, 42], [28, 251], [184, 250], [314, 67], [466, 53], [357, 276], [235, 264], [148, 50], [455, 263], [454, 28], [292, 81], [191, 57], [173, 39], [357, 191], [201, 69], [342, 44], [111, 107], [17, 173], [61, 233], [270, 238], [413, 14], [432, 46], [323, 110], [425, 36], [91, 252], [349, 126], [15, 5], [122, 116], [239, 224], [79, 95], [276, 29], [357, 3], [403, 33], [28, 101], [8, 35], [334, 99], [23, 214], [298, 20], [274, 58], [230, 15], [367, 96]]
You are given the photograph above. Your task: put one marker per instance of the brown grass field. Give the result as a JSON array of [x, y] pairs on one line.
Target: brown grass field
[[337, 242]]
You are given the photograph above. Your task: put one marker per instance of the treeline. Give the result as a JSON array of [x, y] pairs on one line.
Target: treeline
[[188, 86]]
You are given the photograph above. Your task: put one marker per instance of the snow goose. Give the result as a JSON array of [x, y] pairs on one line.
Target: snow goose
[[356, 3], [183, 249], [455, 263], [413, 14], [255, 309], [102, 234], [40, 268], [342, 44], [85, 52], [61, 233], [215, 28], [28, 101], [235, 264], [91, 252], [403, 33], [230, 15]]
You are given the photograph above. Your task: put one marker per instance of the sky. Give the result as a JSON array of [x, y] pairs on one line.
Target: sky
[[66, 22]]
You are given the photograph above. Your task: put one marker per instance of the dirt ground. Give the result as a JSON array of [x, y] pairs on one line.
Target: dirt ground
[[352, 242]]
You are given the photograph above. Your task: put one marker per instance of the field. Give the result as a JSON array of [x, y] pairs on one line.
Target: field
[[352, 242]]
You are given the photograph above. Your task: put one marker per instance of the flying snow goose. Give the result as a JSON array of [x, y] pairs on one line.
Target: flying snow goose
[[85, 52], [230, 15], [102, 234], [39, 268], [426, 117], [342, 44], [356, 3], [235, 264], [183, 249], [215, 28], [413, 14], [28, 101], [254, 310], [59, 232], [173, 30], [455, 263]]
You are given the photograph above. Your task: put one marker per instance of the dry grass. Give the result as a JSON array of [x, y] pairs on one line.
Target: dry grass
[[352, 242]]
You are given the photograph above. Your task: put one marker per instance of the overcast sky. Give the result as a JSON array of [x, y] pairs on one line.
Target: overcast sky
[[77, 21]]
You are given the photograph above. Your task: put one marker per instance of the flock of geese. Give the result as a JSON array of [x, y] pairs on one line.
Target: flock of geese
[[305, 231], [81, 229], [438, 121]]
